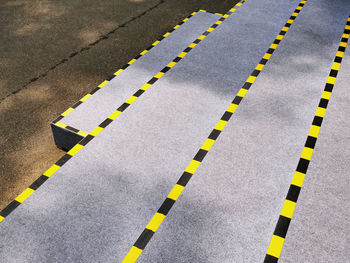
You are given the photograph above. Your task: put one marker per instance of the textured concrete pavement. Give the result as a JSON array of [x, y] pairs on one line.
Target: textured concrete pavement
[[37, 39]]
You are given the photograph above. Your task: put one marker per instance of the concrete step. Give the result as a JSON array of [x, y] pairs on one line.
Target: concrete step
[[80, 119]]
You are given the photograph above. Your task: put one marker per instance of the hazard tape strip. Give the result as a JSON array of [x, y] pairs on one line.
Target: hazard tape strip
[[87, 96], [174, 194], [26, 193], [279, 235]]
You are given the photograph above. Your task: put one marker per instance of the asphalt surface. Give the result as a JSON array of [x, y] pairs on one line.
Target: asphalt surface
[[52, 54]]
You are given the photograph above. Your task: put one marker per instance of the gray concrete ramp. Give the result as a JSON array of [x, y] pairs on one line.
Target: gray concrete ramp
[[320, 228], [80, 119]]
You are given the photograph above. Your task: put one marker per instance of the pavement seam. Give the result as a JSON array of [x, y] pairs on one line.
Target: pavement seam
[[57, 122], [277, 241], [55, 167], [75, 53], [179, 187]]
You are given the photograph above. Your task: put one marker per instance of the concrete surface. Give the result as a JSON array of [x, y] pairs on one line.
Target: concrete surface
[[38, 36], [102, 103], [320, 227]]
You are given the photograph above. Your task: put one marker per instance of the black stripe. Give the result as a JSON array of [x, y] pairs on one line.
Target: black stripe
[[222, 19], [149, 48], [214, 26], [346, 31], [282, 226], [342, 49], [58, 119], [292, 17], [72, 129], [310, 142], [317, 121], [205, 33], [152, 81], [166, 206], [63, 160], [338, 59], [138, 56], [270, 51], [38, 182], [110, 78], [86, 140], [255, 73], [214, 134], [171, 30], [138, 93], [76, 104], [197, 41], [185, 177], [200, 155], [303, 165], [226, 117], [237, 100], [177, 59], [144, 238], [188, 49], [105, 123], [282, 33], [333, 73], [270, 259], [344, 40], [263, 61], [123, 106], [9, 208], [287, 25], [276, 41], [329, 87], [165, 69], [323, 103], [293, 193], [125, 66], [247, 85], [296, 11], [94, 90]]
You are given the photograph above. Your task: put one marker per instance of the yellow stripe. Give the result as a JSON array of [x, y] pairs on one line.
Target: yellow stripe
[[60, 124], [290, 21], [251, 79], [131, 99], [210, 29], [193, 13], [299, 8], [285, 29], [207, 144], [192, 167], [345, 35], [159, 75], [326, 95], [279, 37], [298, 179], [155, 43], [143, 52], [82, 133], [267, 56], [49, 172], [288, 208], [340, 54], [24, 195], [67, 112], [96, 131], [192, 45], [1, 218], [343, 44], [166, 34], [295, 14], [232, 10], [85, 97], [331, 80], [155, 222], [336, 66], [320, 112], [242, 92], [176, 192], [201, 37], [118, 72], [146, 86], [273, 46], [220, 125], [259, 67], [232, 108], [132, 255], [307, 153], [218, 22], [171, 64], [185, 19], [131, 61], [75, 149], [114, 115], [225, 16], [314, 130], [275, 247], [102, 84], [177, 26]]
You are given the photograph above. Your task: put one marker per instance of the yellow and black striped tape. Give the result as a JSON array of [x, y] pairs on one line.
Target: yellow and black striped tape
[[72, 108], [88, 137], [279, 235], [174, 194]]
